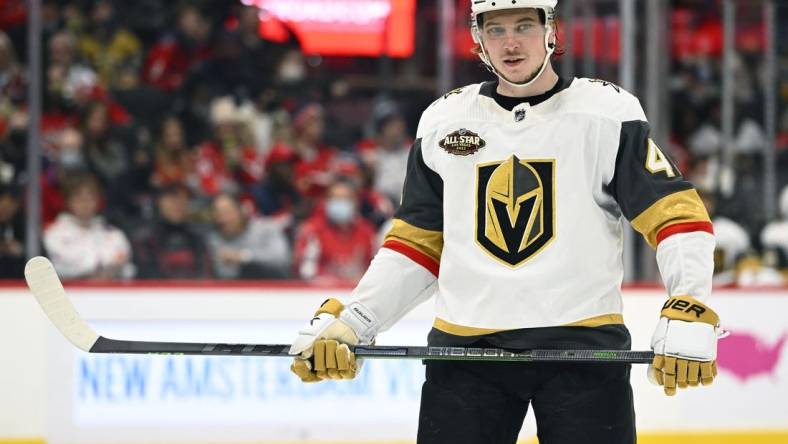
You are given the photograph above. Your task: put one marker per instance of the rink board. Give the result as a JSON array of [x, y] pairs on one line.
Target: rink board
[[52, 392]]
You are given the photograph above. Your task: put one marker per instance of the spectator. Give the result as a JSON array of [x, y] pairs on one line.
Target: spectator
[[68, 87], [13, 141], [70, 151], [13, 14], [386, 155], [79, 243], [708, 173], [774, 237], [263, 53], [88, 45], [12, 80], [291, 73], [115, 52], [313, 169], [12, 234], [336, 243], [271, 124], [106, 152], [705, 140], [277, 195], [228, 160], [374, 206], [263, 120], [732, 243], [69, 158], [170, 247], [13, 118], [173, 160], [245, 247], [68, 82], [147, 18], [112, 157], [169, 60], [226, 72]]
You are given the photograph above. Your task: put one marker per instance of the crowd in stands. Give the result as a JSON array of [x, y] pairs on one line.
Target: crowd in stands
[[179, 144], [194, 152], [752, 249]]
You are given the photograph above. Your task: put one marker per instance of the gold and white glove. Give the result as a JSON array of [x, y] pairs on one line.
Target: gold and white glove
[[685, 345], [322, 347]]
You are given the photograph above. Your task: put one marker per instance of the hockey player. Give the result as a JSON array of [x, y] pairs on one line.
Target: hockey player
[[512, 217]]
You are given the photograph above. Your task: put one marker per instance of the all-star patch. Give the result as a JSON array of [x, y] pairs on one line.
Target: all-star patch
[[462, 142]]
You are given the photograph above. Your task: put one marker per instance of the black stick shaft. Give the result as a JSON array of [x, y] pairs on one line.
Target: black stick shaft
[[105, 345]]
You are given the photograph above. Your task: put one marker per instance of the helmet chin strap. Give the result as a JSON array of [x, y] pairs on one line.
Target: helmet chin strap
[[549, 48]]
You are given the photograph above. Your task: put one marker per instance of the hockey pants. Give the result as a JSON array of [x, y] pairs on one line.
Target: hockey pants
[[486, 402]]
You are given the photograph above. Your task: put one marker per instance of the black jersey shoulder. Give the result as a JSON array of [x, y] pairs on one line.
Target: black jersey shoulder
[[422, 194]]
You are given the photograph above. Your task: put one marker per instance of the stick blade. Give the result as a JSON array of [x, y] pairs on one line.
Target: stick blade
[[43, 282]]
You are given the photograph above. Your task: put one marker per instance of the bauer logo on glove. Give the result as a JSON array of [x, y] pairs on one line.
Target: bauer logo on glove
[[685, 345], [685, 306]]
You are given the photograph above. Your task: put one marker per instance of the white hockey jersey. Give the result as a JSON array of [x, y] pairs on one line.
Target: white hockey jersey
[[516, 207]]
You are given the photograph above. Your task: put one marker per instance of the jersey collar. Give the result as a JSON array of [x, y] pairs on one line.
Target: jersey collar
[[490, 89]]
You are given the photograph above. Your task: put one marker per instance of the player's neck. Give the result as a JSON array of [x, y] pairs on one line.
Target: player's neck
[[544, 83]]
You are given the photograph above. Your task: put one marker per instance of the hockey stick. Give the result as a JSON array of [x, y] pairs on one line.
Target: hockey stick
[[49, 292]]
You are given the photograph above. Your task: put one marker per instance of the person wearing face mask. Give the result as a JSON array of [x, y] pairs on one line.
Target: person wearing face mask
[[335, 244], [71, 156], [512, 217]]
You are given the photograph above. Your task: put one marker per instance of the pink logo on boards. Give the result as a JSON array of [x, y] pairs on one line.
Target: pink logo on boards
[[747, 356]]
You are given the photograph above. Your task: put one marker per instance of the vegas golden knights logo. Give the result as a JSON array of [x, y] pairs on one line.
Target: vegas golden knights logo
[[515, 217]]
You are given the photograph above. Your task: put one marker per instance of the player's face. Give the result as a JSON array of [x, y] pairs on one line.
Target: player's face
[[514, 40]]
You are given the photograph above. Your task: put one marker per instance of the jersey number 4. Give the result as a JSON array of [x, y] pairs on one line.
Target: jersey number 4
[[657, 162]]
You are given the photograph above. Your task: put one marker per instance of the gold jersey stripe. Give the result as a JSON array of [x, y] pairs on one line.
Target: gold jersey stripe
[[461, 330], [426, 241], [598, 321], [681, 207]]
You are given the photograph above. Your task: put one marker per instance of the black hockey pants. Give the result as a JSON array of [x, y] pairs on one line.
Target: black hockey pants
[[486, 402]]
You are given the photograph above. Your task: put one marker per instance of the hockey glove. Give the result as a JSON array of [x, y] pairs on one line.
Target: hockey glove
[[684, 344], [322, 347]]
